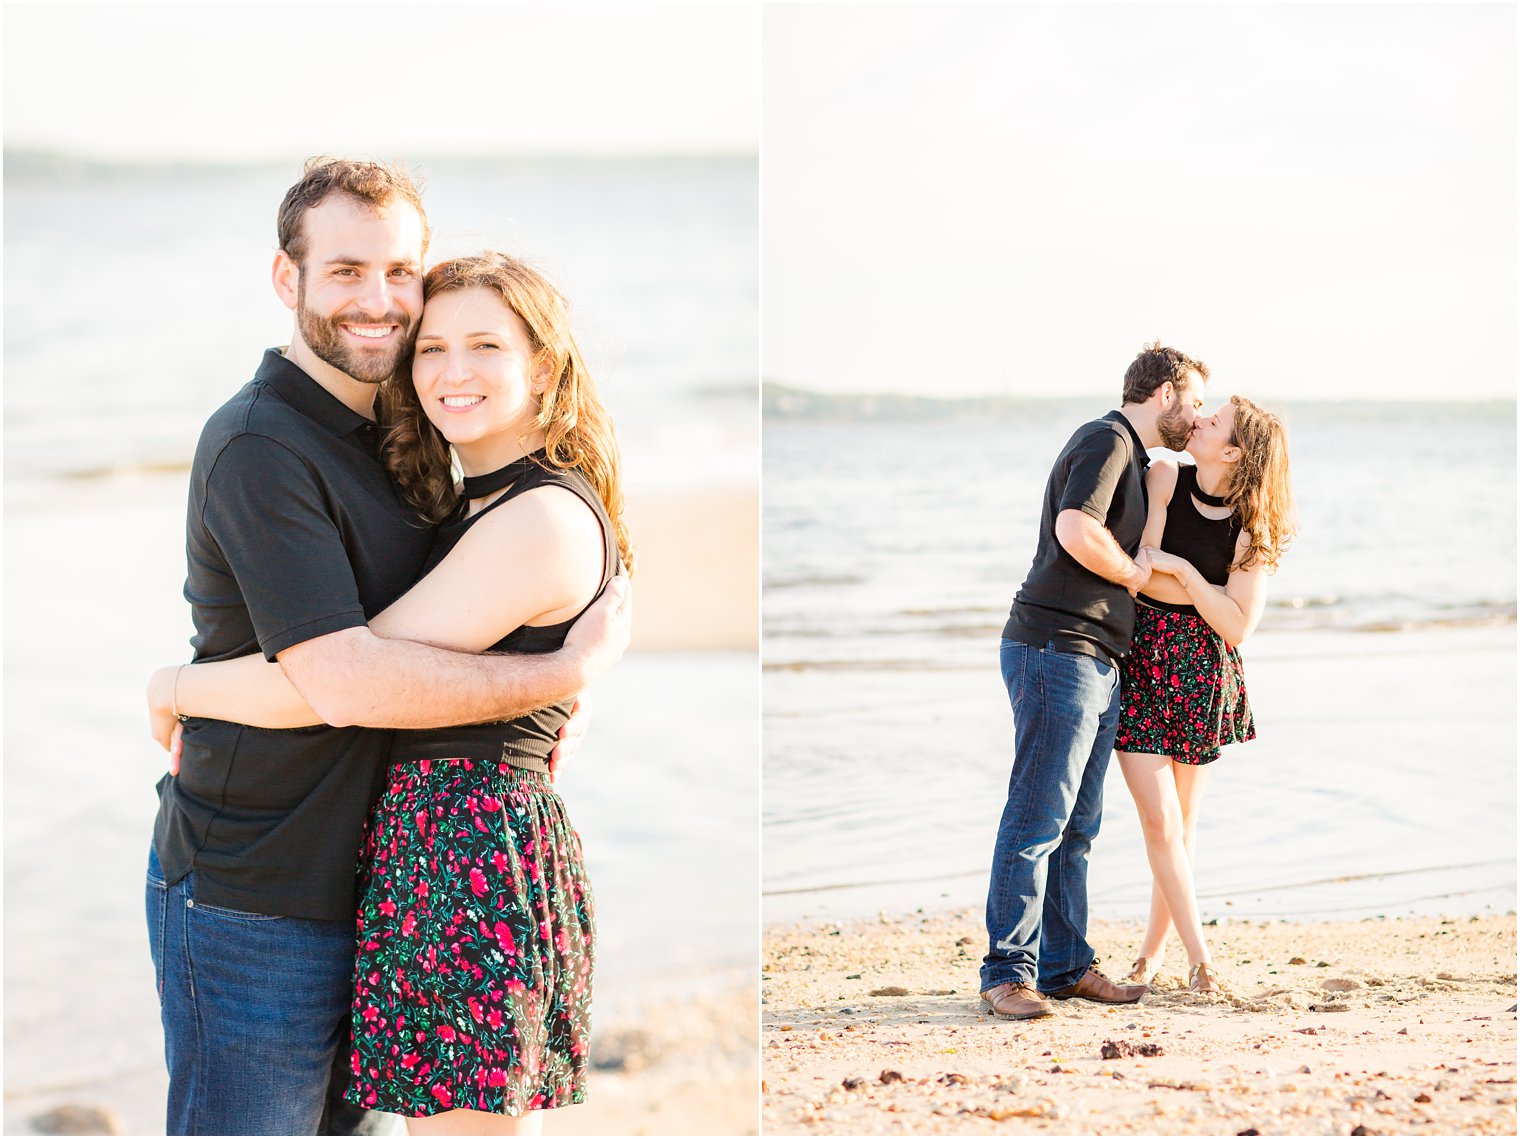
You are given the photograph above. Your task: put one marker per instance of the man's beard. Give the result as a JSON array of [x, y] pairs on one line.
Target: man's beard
[[1175, 427], [330, 344]]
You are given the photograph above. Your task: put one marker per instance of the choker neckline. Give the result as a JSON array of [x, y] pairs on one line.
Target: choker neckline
[[478, 486], [1206, 499]]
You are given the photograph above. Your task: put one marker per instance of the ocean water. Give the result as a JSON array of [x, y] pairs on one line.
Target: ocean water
[[895, 536], [138, 299]]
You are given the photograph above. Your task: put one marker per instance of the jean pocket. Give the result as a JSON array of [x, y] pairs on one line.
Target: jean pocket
[[155, 870], [234, 915]]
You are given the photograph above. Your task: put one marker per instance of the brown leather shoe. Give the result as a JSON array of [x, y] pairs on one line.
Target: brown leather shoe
[[1094, 986], [1015, 1002]]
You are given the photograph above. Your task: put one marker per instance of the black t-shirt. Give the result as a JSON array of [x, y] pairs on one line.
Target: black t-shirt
[[1101, 472], [294, 531]]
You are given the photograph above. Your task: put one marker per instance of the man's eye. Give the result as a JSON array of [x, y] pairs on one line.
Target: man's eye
[[401, 272]]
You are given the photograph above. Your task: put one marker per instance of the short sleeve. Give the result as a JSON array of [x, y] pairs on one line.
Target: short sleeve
[[1094, 467], [267, 512]]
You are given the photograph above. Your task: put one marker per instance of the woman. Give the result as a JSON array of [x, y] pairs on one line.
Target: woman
[[1214, 531], [472, 983]]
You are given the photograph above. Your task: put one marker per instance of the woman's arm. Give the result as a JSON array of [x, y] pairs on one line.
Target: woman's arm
[[1233, 611], [534, 560], [1160, 483]]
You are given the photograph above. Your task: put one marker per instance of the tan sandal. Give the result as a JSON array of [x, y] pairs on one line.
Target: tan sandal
[[1203, 979], [1140, 973]]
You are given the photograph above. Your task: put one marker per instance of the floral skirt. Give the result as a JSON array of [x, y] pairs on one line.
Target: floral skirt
[[472, 986], [1182, 690]]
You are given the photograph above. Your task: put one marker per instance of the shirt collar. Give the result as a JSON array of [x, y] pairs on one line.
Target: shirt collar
[[1140, 452], [307, 396]]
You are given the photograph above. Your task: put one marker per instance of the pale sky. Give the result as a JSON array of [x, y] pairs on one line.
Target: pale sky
[[1316, 200], [242, 82]]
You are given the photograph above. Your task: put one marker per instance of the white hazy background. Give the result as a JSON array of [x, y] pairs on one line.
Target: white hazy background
[[969, 199]]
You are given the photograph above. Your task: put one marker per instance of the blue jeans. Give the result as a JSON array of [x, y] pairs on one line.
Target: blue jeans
[[1065, 714], [255, 1011]]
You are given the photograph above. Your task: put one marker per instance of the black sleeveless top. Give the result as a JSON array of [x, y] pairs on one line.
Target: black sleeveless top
[[1208, 543], [527, 740]]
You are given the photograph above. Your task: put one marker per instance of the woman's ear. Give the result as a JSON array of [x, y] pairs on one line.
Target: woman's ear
[[543, 374]]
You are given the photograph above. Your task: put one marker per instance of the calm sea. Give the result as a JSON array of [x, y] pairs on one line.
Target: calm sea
[[895, 535]]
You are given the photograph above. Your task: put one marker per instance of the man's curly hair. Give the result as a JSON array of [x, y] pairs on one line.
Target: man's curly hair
[[1155, 366]]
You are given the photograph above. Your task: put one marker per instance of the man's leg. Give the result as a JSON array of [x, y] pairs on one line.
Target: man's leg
[[1058, 702], [252, 1008], [1064, 951]]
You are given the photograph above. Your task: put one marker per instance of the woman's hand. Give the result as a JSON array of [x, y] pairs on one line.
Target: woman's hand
[[162, 722], [1163, 562], [161, 718]]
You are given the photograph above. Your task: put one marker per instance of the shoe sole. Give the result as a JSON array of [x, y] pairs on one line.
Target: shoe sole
[[1095, 1000], [1036, 1015]]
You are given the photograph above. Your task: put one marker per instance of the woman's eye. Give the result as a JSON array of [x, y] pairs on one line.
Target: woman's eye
[[429, 348]]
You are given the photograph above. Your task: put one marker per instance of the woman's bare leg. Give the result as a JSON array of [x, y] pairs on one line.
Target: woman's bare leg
[[463, 1121], [1190, 780], [1154, 788], [1157, 926]]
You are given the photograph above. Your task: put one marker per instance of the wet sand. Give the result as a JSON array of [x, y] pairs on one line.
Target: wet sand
[[1402, 1026]]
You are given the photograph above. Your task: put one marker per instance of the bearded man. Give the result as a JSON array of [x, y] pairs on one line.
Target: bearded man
[[1071, 622]]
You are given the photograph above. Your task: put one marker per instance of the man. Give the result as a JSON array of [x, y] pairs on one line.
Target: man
[[295, 538], [1070, 623]]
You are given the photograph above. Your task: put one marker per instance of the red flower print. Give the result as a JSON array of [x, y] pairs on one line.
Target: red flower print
[[442, 1094], [446, 1033], [505, 940]]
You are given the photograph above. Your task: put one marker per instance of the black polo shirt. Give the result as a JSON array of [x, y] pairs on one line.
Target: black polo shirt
[[1101, 472], [294, 531]]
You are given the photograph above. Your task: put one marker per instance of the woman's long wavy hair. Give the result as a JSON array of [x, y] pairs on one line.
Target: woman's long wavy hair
[[577, 428], [1261, 491]]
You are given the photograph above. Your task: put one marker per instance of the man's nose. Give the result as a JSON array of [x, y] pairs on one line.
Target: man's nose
[[375, 299]]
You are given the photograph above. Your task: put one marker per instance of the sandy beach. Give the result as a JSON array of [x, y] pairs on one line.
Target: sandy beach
[[1403, 1026], [93, 572]]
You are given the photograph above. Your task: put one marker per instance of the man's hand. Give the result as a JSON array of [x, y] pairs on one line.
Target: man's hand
[[596, 641], [571, 733]]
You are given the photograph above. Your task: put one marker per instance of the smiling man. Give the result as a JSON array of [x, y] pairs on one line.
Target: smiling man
[[296, 537]]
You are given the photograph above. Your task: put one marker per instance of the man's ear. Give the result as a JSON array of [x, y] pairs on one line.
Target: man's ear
[[1166, 391], [286, 276]]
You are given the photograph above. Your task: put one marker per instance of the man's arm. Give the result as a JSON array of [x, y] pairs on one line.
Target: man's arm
[[1095, 549], [355, 677]]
